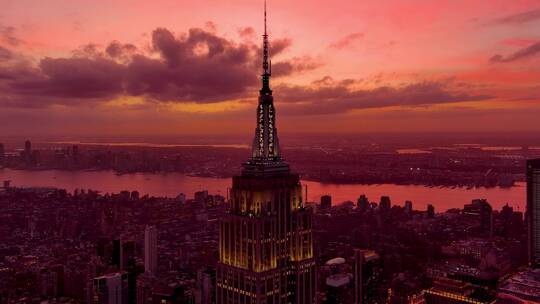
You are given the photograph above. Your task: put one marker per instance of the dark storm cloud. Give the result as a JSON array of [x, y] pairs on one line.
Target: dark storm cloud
[[198, 66], [523, 53], [327, 96], [520, 18]]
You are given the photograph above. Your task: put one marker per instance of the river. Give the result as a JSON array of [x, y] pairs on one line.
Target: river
[[171, 184]]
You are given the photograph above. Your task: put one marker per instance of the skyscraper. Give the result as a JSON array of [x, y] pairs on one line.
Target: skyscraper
[[2, 153], [533, 211], [150, 250], [481, 211], [326, 202], [28, 148], [27, 154], [110, 289], [385, 203], [367, 277], [205, 290], [430, 211], [265, 247], [128, 249], [116, 253], [362, 203], [408, 207]]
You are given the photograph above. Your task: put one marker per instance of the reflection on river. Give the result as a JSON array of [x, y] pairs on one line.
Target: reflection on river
[[172, 184]]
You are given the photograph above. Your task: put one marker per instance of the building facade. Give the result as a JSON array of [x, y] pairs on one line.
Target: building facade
[[265, 247], [367, 277], [533, 211], [449, 291], [481, 211], [326, 202], [2, 154], [205, 291], [110, 289], [150, 250]]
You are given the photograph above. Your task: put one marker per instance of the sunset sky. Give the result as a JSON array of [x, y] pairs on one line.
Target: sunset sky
[[95, 67]]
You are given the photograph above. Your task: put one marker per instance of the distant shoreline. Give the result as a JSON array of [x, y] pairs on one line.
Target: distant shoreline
[[325, 182], [146, 144]]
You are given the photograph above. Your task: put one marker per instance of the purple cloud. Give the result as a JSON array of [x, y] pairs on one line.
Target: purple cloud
[[327, 96], [7, 35], [73, 78], [520, 18], [116, 49], [347, 41], [5, 54], [523, 53], [199, 66], [294, 66]]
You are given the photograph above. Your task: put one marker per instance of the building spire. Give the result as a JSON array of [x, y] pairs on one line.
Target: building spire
[[267, 64], [266, 154]]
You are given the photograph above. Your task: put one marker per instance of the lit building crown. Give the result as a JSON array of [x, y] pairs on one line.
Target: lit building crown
[[266, 154]]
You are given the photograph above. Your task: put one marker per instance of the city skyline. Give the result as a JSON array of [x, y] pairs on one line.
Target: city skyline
[[357, 67], [410, 173]]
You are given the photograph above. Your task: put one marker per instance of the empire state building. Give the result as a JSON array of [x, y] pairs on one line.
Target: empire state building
[[265, 241]]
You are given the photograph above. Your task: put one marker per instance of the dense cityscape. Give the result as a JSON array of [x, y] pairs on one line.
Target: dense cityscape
[[57, 246], [265, 240]]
